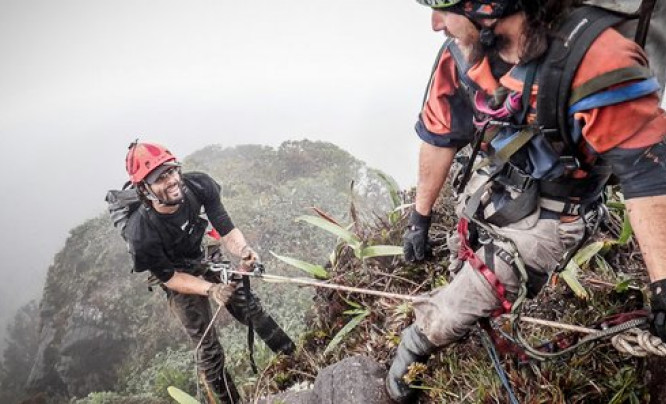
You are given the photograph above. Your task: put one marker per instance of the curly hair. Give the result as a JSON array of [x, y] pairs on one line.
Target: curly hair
[[543, 16]]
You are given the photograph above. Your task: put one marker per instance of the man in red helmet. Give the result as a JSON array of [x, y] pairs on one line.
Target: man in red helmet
[[165, 238], [529, 191]]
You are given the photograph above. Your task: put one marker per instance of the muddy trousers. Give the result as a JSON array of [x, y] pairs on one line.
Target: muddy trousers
[[448, 313], [542, 241], [194, 313]]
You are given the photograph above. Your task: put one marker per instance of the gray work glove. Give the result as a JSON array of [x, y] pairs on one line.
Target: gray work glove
[[220, 293], [248, 258], [415, 240], [658, 306]]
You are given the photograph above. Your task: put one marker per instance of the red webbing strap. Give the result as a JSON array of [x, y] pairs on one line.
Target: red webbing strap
[[467, 254], [214, 234]]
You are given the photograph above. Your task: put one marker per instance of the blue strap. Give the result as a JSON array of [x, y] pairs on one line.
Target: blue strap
[[617, 95]]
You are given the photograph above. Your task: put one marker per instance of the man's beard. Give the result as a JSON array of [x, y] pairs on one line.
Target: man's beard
[[166, 199], [491, 49]]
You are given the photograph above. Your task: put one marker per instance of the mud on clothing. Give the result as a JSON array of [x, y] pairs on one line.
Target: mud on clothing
[[541, 240], [164, 251], [620, 136]]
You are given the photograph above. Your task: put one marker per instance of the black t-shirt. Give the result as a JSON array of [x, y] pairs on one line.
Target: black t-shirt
[[164, 243]]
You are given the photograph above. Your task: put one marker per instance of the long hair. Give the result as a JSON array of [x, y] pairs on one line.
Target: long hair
[[543, 16]]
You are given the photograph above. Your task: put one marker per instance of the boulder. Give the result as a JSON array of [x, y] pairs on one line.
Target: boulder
[[289, 397], [354, 380]]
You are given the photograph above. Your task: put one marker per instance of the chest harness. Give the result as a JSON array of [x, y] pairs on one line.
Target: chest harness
[[531, 157]]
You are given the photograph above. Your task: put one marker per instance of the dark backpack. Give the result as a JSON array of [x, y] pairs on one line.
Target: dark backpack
[[555, 100], [124, 202], [121, 204]]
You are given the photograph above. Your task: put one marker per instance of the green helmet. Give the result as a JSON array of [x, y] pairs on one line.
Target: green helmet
[[439, 3], [476, 9]]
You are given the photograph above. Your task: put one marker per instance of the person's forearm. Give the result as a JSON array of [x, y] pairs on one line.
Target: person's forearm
[[434, 165], [648, 219], [187, 284], [234, 242]]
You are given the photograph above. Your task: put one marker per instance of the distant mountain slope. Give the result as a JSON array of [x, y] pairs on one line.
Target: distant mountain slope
[[99, 322]]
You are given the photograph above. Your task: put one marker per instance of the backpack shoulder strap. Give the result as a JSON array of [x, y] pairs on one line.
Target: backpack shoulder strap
[[192, 197], [461, 65], [645, 13], [606, 80], [566, 51], [158, 225], [434, 69]]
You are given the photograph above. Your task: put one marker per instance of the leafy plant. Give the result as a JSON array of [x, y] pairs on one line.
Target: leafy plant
[[317, 271], [596, 251], [394, 192], [180, 396], [359, 314], [570, 276], [627, 231], [360, 250]]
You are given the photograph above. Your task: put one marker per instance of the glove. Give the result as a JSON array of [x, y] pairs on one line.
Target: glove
[[248, 258], [415, 240], [220, 293], [658, 305]]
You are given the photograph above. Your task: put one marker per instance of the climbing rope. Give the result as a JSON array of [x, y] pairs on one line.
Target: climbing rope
[[629, 343], [196, 358], [492, 352], [325, 285], [626, 337], [639, 343]]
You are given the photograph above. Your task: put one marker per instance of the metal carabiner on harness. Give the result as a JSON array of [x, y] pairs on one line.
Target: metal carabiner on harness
[[258, 269], [223, 269]]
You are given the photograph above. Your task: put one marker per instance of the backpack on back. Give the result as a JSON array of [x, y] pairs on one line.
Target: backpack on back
[[124, 202], [121, 204], [556, 102]]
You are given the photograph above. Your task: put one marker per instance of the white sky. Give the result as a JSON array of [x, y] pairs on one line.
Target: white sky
[[80, 79]]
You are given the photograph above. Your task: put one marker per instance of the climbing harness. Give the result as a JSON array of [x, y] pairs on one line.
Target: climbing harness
[[466, 253], [227, 276]]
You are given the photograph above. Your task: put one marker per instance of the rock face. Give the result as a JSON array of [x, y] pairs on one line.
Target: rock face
[[295, 397], [358, 379], [355, 380], [98, 320], [84, 331]]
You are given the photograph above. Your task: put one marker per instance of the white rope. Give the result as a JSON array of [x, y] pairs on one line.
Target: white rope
[[196, 357], [633, 341], [322, 284], [639, 343]]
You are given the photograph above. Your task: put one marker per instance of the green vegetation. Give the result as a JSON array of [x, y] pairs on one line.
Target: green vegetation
[[103, 331], [91, 296], [608, 278]]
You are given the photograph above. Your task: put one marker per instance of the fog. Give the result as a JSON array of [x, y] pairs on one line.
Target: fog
[[79, 80]]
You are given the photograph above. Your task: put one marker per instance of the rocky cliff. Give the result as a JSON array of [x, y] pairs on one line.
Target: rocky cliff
[[99, 323]]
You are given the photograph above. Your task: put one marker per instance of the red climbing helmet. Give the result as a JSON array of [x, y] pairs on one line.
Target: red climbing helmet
[[144, 158]]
